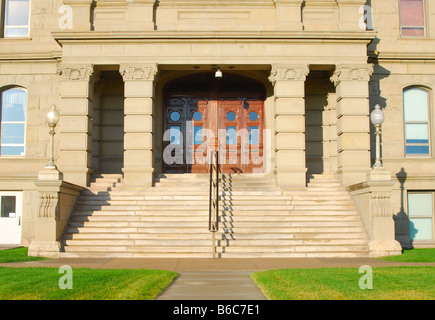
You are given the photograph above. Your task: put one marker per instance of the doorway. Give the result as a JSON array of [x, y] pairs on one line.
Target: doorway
[[11, 204], [202, 113]]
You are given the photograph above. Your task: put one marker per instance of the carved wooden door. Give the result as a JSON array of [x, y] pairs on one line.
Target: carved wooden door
[[192, 125]]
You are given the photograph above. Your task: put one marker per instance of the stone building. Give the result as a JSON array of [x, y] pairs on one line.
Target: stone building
[[285, 88]]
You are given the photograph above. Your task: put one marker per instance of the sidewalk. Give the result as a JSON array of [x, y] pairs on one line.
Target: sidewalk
[[210, 265], [212, 279]]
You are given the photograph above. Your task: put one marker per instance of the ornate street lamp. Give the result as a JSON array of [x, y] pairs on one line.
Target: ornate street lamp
[[377, 117], [52, 118]]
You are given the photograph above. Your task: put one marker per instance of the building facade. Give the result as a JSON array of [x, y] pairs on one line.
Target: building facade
[[136, 86]]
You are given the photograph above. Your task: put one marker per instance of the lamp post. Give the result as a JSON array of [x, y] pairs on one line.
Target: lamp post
[[377, 117], [52, 118]]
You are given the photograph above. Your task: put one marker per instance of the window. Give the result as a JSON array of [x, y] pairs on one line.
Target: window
[[417, 125], [13, 122], [412, 22], [16, 17], [420, 212]]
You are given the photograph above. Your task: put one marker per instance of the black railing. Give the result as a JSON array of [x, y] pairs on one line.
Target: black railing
[[213, 215]]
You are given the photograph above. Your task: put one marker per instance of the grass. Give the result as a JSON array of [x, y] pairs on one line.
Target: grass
[[88, 284], [414, 255], [391, 283], [17, 255]]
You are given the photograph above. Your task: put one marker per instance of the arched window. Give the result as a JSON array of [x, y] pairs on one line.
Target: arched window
[[417, 124], [13, 122]]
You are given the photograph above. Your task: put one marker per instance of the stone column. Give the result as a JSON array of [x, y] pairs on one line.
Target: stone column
[[138, 124], [353, 126], [76, 89], [289, 91]]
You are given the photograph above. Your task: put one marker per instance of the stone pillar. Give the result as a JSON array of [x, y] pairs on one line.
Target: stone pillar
[[353, 126], [76, 89], [289, 91], [138, 124]]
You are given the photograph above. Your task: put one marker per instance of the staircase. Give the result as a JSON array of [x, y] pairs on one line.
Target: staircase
[[257, 219]]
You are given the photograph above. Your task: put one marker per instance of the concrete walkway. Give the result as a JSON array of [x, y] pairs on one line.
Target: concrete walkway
[[212, 279]]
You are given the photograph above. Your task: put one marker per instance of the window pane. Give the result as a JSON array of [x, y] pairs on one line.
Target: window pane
[[175, 116], [413, 32], [231, 135], [416, 105], [417, 133], [175, 133], [417, 149], [12, 133], [412, 12], [197, 134], [7, 206], [231, 116], [254, 135], [17, 32], [14, 102], [420, 204], [197, 116], [12, 151], [17, 13], [420, 229]]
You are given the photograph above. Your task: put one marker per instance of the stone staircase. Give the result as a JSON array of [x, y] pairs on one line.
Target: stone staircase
[[257, 219]]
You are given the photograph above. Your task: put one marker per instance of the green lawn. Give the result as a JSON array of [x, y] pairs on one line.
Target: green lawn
[[392, 283], [87, 284], [414, 255], [16, 255]]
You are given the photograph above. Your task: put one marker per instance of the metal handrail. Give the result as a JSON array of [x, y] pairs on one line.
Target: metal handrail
[[213, 215]]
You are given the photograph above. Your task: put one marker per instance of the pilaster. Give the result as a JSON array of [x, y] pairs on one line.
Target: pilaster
[[138, 124], [289, 91]]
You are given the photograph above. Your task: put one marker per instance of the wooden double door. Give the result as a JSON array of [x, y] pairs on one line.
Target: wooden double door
[[195, 126]]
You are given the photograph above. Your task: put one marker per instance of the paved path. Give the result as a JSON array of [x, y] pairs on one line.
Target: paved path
[[220, 285], [212, 279]]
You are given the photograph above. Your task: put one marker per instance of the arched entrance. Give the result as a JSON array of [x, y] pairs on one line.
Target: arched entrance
[[201, 112]]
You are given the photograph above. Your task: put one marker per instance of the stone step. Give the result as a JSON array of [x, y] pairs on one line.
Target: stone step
[[222, 217], [227, 230]]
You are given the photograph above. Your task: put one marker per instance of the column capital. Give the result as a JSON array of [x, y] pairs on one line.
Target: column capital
[[75, 72], [352, 73], [288, 72], [139, 72]]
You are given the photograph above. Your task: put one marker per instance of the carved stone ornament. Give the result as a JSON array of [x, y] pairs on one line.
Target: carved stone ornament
[[352, 73], [49, 205], [288, 72], [147, 72], [75, 73], [381, 204]]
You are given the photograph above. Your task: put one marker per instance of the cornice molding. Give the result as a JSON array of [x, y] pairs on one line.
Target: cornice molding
[[170, 36]]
